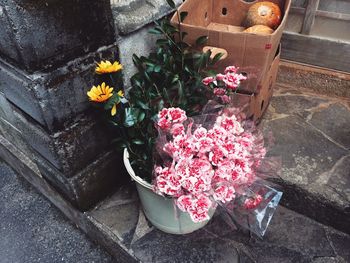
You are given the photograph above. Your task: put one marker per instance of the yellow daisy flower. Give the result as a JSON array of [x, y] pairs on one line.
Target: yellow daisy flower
[[107, 67], [100, 93]]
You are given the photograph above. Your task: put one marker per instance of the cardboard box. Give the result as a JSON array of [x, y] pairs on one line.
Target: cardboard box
[[257, 103], [221, 21]]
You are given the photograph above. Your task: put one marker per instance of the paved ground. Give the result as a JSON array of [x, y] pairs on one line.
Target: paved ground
[[33, 230]]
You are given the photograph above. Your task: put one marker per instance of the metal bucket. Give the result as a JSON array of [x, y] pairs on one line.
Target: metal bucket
[[162, 211]]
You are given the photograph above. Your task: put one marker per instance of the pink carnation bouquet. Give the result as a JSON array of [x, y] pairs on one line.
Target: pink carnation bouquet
[[213, 159], [223, 85]]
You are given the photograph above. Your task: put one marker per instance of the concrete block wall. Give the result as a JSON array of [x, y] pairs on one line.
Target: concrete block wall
[[41, 34], [48, 53], [132, 20], [53, 96]]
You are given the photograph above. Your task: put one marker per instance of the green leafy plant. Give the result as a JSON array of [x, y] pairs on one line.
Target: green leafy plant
[[171, 76]]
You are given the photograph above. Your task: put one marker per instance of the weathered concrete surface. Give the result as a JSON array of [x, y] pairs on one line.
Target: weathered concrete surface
[[291, 237], [53, 97], [33, 230], [312, 137], [69, 150], [88, 186], [320, 80], [130, 15], [85, 187], [37, 35], [130, 45]]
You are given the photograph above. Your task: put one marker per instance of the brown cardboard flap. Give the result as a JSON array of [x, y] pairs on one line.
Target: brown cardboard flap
[[257, 103]]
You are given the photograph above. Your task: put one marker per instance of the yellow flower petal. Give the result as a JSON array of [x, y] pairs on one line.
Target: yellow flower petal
[[114, 110], [120, 93], [101, 93], [108, 67]]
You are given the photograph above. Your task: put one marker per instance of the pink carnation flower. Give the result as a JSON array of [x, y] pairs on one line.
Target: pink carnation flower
[[225, 99], [253, 202], [177, 129], [220, 76], [168, 116], [177, 115], [230, 69], [219, 91], [206, 81], [184, 202], [224, 193]]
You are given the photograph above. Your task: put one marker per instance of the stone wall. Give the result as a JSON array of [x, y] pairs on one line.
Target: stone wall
[[48, 52]]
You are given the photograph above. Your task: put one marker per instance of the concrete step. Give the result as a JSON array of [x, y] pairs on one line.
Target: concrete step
[[291, 237], [317, 79], [311, 134]]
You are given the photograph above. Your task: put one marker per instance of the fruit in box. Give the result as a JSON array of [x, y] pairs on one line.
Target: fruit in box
[[264, 13], [259, 29]]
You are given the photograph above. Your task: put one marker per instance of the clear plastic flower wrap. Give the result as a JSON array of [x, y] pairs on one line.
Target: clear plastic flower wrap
[[217, 158]]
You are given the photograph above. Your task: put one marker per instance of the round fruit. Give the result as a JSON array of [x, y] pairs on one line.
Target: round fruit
[[264, 13], [259, 29]]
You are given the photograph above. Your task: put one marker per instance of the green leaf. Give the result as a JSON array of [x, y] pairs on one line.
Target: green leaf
[[175, 79], [200, 61], [121, 145], [147, 76], [149, 64], [142, 105], [136, 82], [169, 30], [141, 116], [113, 123], [160, 105], [157, 69], [137, 142], [183, 15], [144, 156], [210, 73], [131, 116], [111, 102], [216, 58], [171, 3], [161, 42], [206, 58], [117, 140], [184, 45], [137, 61], [155, 31], [201, 40]]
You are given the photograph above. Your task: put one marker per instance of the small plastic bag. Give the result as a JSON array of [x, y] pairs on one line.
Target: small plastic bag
[[254, 209]]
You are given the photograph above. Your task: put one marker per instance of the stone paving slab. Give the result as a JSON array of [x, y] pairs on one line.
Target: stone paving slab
[[291, 237], [311, 135]]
